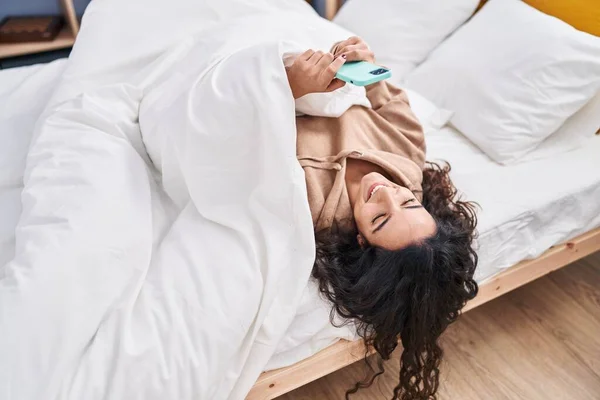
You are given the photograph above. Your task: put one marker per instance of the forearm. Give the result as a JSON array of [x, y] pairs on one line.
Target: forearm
[[392, 104], [379, 94]]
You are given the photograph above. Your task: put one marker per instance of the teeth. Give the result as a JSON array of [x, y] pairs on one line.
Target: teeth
[[375, 189]]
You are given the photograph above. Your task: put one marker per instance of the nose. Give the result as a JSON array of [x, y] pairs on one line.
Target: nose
[[388, 196]]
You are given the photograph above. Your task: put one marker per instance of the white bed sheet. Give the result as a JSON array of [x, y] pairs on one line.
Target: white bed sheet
[[525, 208]]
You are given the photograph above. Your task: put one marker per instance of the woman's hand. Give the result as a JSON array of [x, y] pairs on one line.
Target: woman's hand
[[354, 49], [314, 72]]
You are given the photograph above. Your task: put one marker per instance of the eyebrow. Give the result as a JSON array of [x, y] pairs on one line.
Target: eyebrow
[[388, 218]]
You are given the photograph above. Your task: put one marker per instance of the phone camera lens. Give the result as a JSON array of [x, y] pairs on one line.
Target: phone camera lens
[[378, 71]]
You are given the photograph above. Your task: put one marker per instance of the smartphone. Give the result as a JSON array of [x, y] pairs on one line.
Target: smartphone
[[362, 73]]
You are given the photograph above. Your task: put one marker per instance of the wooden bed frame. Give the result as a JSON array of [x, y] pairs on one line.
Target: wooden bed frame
[[343, 353]]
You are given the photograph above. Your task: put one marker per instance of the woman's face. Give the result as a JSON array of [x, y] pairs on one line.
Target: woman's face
[[388, 215]]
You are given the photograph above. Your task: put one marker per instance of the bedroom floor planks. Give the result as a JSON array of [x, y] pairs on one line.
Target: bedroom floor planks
[[541, 341]]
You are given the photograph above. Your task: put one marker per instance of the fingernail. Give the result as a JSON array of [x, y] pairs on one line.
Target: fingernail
[[344, 56]]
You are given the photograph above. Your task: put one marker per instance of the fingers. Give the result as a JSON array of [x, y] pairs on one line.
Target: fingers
[[355, 49], [335, 85], [334, 48], [350, 41], [314, 59], [354, 40], [313, 72], [325, 60], [306, 55], [357, 52], [330, 71]]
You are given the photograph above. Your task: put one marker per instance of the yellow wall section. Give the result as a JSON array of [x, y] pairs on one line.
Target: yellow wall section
[[582, 14]]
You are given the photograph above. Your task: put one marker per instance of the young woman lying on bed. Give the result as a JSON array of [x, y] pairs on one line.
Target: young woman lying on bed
[[394, 246]]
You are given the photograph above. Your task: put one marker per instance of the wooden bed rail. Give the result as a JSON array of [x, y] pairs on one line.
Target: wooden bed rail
[[277, 382], [529, 270]]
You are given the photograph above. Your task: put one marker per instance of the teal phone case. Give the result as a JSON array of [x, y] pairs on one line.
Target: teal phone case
[[362, 73]]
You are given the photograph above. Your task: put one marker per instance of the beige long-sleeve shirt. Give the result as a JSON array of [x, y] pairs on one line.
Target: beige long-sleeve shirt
[[388, 135]]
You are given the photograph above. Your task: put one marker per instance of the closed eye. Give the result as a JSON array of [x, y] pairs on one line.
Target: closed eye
[[377, 217], [385, 221], [407, 204]]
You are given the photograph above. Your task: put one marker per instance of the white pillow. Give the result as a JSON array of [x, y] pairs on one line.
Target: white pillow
[[402, 33], [574, 133], [431, 117], [512, 75]]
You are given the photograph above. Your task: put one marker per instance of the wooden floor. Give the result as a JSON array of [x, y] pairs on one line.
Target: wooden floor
[[541, 341]]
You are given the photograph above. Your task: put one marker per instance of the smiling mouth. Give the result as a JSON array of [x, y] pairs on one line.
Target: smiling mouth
[[374, 188]]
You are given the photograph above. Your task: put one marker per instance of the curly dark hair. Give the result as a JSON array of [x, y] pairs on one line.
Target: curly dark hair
[[412, 294]]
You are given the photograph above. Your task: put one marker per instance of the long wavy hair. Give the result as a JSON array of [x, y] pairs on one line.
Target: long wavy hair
[[411, 294]]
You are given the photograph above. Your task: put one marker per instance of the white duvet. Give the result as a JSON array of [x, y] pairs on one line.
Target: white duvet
[[165, 238]]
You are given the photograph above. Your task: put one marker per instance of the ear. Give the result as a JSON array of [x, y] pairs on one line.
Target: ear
[[361, 240]]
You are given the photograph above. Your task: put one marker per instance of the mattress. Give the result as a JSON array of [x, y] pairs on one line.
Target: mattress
[[524, 208]]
